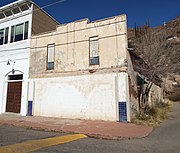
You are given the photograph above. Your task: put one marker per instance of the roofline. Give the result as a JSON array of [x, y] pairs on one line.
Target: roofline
[[18, 2], [94, 21], [81, 20], [14, 4]]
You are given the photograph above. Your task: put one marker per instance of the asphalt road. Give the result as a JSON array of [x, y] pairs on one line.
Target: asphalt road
[[164, 139]]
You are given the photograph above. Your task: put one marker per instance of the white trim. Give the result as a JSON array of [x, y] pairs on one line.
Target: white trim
[[15, 16], [18, 2]]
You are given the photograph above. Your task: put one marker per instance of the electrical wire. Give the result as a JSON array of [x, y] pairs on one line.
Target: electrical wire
[[60, 1], [41, 8]]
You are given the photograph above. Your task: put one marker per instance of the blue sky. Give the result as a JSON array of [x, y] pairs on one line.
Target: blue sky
[[137, 11]]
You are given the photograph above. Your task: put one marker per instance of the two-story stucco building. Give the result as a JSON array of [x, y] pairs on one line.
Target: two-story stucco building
[[82, 70], [18, 22]]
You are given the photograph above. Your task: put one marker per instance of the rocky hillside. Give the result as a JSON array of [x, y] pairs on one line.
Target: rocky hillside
[[156, 50]]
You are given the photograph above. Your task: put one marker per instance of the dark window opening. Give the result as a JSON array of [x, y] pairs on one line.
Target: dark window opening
[[50, 65], [26, 30], [94, 61], [16, 10], [2, 16], [24, 7], [12, 34], [8, 13], [1, 36], [6, 35]]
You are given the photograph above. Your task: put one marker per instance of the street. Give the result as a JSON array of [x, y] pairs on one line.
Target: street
[[164, 139]]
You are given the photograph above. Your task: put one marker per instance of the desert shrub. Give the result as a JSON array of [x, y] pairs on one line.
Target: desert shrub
[[153, 115]]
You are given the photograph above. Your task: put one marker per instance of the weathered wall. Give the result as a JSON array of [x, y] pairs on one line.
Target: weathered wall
[[92, 97], [74, 88], [72, 46]]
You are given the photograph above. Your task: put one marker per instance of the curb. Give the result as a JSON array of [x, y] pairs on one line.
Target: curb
[[41, 126]]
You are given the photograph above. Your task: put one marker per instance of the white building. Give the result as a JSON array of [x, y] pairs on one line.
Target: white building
[[18, 21]]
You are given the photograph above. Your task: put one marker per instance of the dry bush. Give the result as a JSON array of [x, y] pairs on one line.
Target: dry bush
[[154, 114]]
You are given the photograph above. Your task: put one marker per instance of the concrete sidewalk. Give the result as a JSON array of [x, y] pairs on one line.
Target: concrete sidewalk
[[98, 129]]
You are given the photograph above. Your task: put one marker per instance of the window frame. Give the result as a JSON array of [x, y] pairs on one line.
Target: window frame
[[5, 35], [25, 33], [2, 30], [94, 38], [15, 31], [47, 68]]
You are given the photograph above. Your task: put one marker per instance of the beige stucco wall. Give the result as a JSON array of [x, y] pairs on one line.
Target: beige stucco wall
[[72, 46], [75, 89], [93, 96]]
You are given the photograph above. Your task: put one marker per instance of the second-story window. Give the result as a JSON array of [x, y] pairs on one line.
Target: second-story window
[[26, 30], [1, 36], [50, 56], [4, 36], [19, 32], [94, 51]]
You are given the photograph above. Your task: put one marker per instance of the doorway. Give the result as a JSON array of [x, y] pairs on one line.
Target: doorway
[[14, 91]]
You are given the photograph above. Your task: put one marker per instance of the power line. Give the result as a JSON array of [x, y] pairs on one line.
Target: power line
[[45, 6], [60, 1]]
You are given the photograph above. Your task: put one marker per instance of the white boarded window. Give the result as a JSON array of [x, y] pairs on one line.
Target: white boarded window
[[50, 56], [94, 51]]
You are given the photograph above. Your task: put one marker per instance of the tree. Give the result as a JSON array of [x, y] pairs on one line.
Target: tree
[[160, 56]]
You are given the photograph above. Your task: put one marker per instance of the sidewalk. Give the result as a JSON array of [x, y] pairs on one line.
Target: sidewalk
[[98, 129]]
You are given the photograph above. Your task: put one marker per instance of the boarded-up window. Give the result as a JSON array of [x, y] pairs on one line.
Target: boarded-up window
[[94, 51], [50, 58]]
